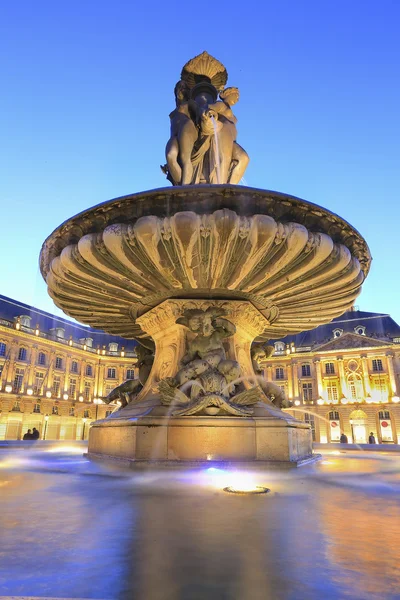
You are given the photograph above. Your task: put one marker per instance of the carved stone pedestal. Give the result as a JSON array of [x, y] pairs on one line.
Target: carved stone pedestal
[[148, 428], [172, 340]]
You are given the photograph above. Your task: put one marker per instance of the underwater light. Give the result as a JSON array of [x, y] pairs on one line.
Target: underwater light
[[258, 489], [244, 483]]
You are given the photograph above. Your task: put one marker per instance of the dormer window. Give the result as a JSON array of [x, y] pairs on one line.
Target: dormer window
[[337, 333], [113, 347], [279, 347], [58, 332], [25, 320], [87, 341], [360, 329]]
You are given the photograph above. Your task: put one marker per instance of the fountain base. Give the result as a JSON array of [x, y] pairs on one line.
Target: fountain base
[[168, 440]]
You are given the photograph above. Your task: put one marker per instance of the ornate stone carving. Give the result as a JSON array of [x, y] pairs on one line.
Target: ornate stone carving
[[128, 391], [110, 279], [206, 380], [202, 147]]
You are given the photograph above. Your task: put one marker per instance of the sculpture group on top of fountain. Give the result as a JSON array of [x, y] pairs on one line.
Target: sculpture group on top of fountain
[[203, 147]]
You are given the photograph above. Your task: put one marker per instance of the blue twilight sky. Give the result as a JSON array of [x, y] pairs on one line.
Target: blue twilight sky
[[87, 86]]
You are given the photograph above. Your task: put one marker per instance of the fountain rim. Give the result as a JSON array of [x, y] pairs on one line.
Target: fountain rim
[[96, 218]]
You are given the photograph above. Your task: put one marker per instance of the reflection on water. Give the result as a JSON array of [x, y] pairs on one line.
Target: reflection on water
[[79, 529]]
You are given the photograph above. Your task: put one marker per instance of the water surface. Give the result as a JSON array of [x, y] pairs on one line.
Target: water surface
[[71, 528]]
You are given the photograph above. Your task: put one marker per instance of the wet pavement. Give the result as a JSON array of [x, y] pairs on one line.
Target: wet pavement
[[71, 528]]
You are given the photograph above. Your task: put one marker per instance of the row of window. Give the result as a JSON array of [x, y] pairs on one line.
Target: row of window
[[59, 363], [37, 409], [39, 381], [377, 367]]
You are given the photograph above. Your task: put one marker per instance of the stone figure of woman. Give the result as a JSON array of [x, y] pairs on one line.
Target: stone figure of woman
[[183, 137]]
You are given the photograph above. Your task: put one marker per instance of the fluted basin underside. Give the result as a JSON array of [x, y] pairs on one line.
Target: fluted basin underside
[[297, 263]]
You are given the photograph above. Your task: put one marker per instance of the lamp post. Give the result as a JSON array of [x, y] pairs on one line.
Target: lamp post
[[46, 418], [83, 429]]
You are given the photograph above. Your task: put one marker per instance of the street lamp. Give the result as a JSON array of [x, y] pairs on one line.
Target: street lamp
[[83, 430], [46, 418]]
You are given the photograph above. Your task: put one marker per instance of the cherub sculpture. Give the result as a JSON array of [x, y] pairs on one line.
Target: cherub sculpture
[[206, 350], [212, 377]]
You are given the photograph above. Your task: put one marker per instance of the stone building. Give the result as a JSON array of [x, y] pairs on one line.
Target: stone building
[[343, 377], [53, 373]]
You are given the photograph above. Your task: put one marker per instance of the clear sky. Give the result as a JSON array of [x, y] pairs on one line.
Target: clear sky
[[87, 87]]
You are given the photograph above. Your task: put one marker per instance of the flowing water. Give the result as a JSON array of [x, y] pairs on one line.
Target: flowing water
[[217, 157], [71, 528]]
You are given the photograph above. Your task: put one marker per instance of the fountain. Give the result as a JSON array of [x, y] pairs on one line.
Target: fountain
[[202, 274]]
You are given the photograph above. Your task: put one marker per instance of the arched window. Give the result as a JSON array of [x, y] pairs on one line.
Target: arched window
[[89, 370], [360, 329], [41, 358], [113, 347], [355, 386], [74, 367], [337, 333], [22, 354]]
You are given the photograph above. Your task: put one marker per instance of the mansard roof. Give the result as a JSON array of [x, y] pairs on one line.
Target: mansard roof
[[379, 326], [11, 309]]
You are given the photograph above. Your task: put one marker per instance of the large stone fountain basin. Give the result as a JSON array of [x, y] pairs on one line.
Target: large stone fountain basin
[[298, 264]]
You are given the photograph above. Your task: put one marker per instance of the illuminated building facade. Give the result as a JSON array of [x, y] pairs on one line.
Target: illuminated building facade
[[54, 373], [343, 377]]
